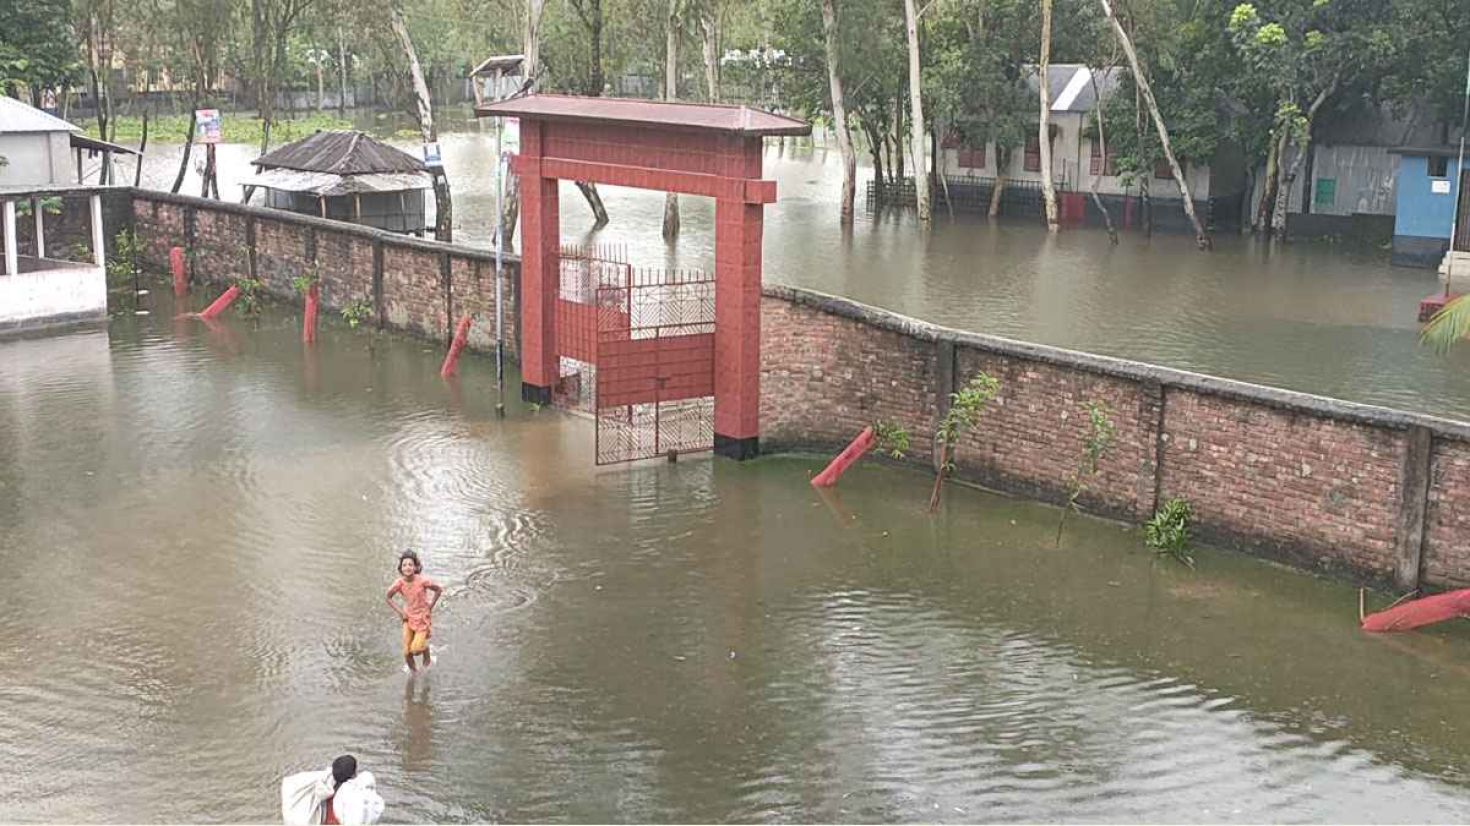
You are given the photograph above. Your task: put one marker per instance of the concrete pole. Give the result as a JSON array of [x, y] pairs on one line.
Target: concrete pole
[[99, 249], [40, 234], [12, 256]]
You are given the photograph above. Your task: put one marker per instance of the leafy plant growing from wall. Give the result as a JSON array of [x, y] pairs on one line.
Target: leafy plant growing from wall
[[304, 282], [1097, 442], [891, 439], [250, 301], [965, 408], [122, 267], [357, 312], [1168, 531]]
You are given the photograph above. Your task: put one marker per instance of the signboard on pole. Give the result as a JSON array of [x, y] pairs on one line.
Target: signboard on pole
[[433, 156], [207, 122]]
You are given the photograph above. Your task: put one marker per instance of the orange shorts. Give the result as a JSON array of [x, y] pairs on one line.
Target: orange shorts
[[414, 642]]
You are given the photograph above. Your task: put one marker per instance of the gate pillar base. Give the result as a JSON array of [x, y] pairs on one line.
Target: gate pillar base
[[535, 395], [738, 449]]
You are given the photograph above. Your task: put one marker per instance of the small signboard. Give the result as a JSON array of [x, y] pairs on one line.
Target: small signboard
[[433, 156], [207, 124], [1439, 187], [510, 136]]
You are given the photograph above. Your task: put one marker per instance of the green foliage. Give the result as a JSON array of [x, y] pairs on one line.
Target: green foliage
[[357, 312], [1447, 327], [235, 127], [122, 267], [38, 49], [966, 406], [304, 282], [49, 206], [892, 439], [1101, 433], [1168, 531], [250, 296]]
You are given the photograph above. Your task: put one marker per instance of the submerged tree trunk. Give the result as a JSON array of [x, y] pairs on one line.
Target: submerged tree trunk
[[1262, 220], [188, 149], [1201, 239], [1102, 150], [1283, 193], [916, 115], [531, 68], [709, 29], [1043, 128], [671, 92], [839, 114], [443, 204]]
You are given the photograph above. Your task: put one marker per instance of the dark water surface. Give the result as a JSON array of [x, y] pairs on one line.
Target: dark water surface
[[1332, 320], [196, 529]]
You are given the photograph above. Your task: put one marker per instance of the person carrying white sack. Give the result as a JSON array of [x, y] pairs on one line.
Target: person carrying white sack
[[339, 795]]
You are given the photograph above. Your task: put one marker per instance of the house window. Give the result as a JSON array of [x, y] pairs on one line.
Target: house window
[[1439, 167], [1096, 164], [972, 157], [1164, 173], [1325, 195], [1032, 161]]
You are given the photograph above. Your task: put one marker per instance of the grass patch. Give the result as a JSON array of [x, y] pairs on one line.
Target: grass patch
[[236, 128]]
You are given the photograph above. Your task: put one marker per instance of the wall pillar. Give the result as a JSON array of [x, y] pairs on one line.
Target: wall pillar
[[99, 246], [7, 226], [1413, 500], [738, 231], [540, 271], [37, 210]]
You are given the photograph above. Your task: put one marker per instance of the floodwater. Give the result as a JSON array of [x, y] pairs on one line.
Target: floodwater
[[1326, 319], [199, 526]]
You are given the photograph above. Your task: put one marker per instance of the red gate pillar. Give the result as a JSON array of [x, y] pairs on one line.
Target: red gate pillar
[[738, 229], [540, 270]]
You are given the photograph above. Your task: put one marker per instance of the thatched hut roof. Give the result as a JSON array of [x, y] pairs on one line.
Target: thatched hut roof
[[340, 153]]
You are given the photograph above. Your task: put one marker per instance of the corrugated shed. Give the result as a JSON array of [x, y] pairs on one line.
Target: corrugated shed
[[16, 116], [340, 153]]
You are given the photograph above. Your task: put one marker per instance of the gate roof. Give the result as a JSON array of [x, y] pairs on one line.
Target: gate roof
[[694, 117]]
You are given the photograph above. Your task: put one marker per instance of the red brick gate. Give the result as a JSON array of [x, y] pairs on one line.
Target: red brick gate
[[693, 149]]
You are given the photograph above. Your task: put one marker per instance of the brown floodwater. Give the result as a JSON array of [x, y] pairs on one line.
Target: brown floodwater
[[1335, 320], [198, 527]]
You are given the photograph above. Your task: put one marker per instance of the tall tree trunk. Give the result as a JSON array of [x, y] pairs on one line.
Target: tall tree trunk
[[1268, 183], [1201, 239], [188, 148], [1283, 192], [839, 113], [443, 204], [709, 30], [916, 114], [142, 147], [531, 69], [341, 74], [671, 92], [1043, 128], [1102, 150]]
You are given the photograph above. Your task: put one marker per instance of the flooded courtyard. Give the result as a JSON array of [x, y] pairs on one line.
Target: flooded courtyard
[[200, 525]]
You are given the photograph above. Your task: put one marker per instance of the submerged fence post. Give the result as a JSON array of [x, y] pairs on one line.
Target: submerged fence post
[[1413, 501], [945, 367]]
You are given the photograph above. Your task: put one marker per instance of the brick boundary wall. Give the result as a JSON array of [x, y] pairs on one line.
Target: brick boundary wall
[[1377, 494], [414, 285]]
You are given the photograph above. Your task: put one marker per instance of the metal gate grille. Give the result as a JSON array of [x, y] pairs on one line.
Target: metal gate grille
[[655, 365]]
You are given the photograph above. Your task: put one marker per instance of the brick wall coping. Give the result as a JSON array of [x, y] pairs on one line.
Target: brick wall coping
[[323, 224], [1276, 397]]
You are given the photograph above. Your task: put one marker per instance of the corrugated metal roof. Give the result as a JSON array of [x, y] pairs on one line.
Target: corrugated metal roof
[[16, 116], [1070, 85], [340, 153], [326, 184], [503, 62], [702, 117]]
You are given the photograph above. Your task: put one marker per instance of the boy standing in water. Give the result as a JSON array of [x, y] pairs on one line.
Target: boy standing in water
[[415, 588]]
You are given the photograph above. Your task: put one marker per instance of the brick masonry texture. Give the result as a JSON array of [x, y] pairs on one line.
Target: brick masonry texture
[[417, 295], [1312, 481]]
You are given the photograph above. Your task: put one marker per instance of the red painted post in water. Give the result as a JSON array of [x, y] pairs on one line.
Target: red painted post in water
[[222, 303], [308, 324], [451, 359], [180, 272], [853, 452]]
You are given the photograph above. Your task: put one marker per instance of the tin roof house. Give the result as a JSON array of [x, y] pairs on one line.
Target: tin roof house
[[345, 176]]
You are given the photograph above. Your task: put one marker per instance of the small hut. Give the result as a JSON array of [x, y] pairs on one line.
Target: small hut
[[347, 176]]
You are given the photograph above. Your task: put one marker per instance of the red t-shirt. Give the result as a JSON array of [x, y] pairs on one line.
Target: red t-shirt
[[415, 599], [330, 817]]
